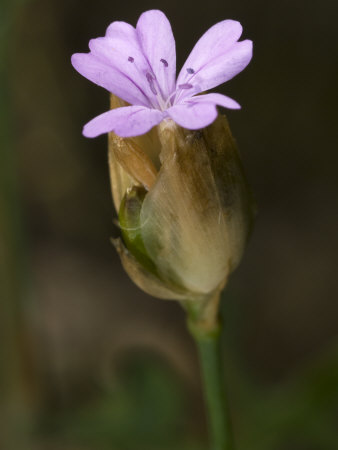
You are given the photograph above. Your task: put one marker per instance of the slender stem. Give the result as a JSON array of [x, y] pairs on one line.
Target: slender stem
[[215, 398], [205, 327]]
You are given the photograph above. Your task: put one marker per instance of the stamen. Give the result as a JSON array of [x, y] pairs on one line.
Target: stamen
[[165, 63], [150, 80], [131, 59], [185, 86], [190, 70]]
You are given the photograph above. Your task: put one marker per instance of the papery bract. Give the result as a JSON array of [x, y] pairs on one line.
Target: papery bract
[[184, 226], [138, 65]]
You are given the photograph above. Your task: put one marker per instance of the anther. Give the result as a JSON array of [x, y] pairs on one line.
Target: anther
[[131, 59], [150, 80], [165, 63], [190, 70], [185, 86]]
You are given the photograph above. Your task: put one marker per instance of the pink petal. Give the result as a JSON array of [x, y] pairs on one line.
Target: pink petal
[[214, 42], [158, 43], [119, 44], [101, 73], [120, 48], [216, 58], [216, 99], [193, 115], [121, 30], [127, 121]]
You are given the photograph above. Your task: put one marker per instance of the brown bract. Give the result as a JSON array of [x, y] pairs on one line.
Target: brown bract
[[197, 214]]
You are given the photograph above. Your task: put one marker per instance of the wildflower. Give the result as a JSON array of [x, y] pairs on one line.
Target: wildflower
[[138, 65]]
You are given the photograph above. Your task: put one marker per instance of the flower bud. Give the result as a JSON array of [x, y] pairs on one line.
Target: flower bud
[[184, 205]]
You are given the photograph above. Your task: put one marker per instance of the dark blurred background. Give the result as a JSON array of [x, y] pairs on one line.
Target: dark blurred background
[[88, 361]]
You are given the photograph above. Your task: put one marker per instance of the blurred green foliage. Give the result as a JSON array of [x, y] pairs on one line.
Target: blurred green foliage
[[146, 407], [13, 408]]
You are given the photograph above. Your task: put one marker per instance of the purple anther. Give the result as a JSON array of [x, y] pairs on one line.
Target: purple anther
[[190, 70], [185, 86], [150, 80], [131, 59], [165, 63]]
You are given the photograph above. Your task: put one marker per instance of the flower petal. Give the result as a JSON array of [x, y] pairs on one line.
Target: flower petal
[[108, 77], [120, 48], [214, 42], [216, 99], [121, 30], [193, 115], [158, 43], [127, 121], [216, 58]]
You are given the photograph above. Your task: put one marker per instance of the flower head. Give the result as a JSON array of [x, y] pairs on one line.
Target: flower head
[[138, 65]]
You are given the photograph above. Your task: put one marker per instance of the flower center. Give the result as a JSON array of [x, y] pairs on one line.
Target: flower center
[[175, 97], [155, 88]]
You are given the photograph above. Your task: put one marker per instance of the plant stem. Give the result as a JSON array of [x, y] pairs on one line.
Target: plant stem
[[215, 398], [205, 327]]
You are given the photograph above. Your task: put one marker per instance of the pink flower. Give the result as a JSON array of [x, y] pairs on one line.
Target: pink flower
[[139, 66]]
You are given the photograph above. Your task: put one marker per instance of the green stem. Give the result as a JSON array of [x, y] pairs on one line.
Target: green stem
[[204, 325], [215, 398]]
